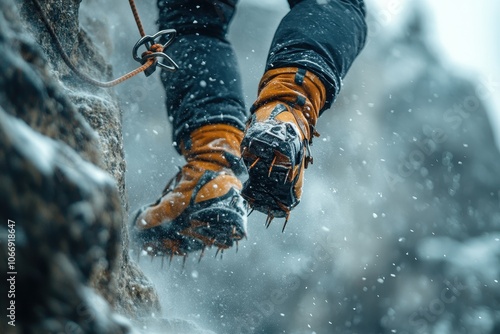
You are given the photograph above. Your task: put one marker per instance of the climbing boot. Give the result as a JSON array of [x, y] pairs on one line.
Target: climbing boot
[[201, 206], [275, 147]]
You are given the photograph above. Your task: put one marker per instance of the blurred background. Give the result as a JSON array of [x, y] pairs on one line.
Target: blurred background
[[399, 227]]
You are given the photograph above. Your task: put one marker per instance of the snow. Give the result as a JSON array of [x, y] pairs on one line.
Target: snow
[[364, 252], [43, 152], [34, 146]]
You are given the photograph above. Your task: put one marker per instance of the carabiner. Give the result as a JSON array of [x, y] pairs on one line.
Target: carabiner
[[148, 41]]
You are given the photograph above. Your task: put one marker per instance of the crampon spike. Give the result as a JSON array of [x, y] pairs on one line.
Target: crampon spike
[[236, 246], [243, 151], [219, 250], [184, 258], [202, 253], [249, 212], [271, 167], [287, 176], [254, 163], [162, 260], [269, 219], [292, 168], [286, 221]]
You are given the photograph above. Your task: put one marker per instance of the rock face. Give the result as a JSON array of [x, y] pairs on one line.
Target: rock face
[[57, 137]]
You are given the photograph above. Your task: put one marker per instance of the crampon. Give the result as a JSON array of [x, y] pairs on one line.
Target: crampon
[[276, 145], [201, 206]]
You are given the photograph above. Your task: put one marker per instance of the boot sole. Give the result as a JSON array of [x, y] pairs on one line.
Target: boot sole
[[218, 222], [269, 188]]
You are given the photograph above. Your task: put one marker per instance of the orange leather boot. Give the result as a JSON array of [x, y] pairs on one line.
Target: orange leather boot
[[201, 206], [275, 148]]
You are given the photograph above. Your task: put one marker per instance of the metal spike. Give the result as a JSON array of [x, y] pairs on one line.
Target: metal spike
[[286, 221], [217, 253], [269, 219], [308, 158], [251, 210], [184, 262], [162, 260], [236, 246], [170, 259], [254, 163], [202, 253], [287, 175], [271, 167]]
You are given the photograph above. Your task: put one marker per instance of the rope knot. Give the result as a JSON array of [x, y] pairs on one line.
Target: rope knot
[[153, 49], [156, 48], [146, 53]]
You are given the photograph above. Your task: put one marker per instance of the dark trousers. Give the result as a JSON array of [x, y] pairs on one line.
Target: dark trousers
[[322, 36]]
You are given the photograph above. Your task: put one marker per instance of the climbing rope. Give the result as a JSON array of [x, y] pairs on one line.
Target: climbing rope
[[148, 59], [135, 12]]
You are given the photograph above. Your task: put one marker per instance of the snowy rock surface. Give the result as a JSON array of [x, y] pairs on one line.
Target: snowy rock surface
[[59, 137], [67, 222]]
